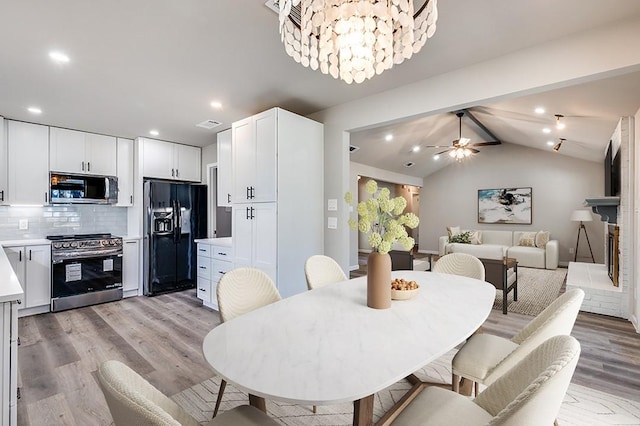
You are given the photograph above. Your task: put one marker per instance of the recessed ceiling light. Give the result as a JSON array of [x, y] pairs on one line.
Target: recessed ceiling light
[[59, 57], [551, 143], [539, 110], [389, 137], [216, 104], [34, 110], [416, 148], [546, 130], [154, 132], [436, 157]]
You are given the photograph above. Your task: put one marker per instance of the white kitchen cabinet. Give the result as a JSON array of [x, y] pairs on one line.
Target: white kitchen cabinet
[[214, 260], [278, 195], [3, 162], [167, 160], [254, 159], [9, 357], [130, 267], [73, 151], [32, 266], [125, 172], [28, 163], [224, 178]]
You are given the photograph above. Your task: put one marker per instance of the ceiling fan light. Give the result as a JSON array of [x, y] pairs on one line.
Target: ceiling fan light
[[467, 152], [464, 141], [452, 154]]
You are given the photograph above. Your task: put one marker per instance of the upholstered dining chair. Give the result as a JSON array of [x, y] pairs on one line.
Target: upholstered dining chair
[[322, 270], [239, 291], [460, 264], [484, 357], [531, 393], [134, 401]]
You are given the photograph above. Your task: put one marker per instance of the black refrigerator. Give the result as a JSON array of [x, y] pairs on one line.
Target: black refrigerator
[[175, 215]]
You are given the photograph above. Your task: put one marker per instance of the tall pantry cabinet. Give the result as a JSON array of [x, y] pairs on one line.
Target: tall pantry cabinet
[[277, 195]]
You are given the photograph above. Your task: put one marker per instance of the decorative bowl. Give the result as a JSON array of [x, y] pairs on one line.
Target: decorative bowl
[[403, 290], [404, 294]]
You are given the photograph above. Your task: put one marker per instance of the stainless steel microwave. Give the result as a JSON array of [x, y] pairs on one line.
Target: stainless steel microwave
[[83, 189]]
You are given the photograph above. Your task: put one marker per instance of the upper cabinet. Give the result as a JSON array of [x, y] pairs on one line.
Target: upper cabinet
[[3, 162], [224, 180], [167, 160], [125, 172], [28, 163], [254, 158], [73, 151]]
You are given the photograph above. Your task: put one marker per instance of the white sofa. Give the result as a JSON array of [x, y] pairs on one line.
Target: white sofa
[[497, 244]]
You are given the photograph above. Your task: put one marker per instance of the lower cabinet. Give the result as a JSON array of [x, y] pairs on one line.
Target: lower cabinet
[[9, 357], [214, 260], [130, 267], [32, 265]]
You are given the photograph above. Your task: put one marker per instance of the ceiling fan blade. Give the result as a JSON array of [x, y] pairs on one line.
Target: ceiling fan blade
[[557, 147], [475, 151], [442, 152], [486, 143], [435, 146]]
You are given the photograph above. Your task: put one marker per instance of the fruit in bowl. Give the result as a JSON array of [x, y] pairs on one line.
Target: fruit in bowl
[[402, 289]]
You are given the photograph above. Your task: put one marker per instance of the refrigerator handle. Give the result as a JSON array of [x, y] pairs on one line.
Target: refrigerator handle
[[179, 218]]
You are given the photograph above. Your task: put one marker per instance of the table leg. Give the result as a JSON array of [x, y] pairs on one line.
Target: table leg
[[259, 403], [505, 289], [515, 284], [363, 411]]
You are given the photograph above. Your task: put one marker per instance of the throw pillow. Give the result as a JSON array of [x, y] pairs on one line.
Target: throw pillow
[[463, 237], [527, 239], [476, 237], [453, 230], [542, 238]]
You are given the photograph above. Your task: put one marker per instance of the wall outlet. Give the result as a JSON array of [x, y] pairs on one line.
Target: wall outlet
[[24, 224], [571, 250]]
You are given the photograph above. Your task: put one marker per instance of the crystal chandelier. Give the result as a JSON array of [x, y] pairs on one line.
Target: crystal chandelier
[[355, 39]]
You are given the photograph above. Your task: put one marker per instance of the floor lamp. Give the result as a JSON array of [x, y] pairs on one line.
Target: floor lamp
[[582, 216]]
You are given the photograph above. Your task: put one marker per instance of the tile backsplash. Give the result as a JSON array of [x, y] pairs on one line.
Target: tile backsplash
[[57, 220]]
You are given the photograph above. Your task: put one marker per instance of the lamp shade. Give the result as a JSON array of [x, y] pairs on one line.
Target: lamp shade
[[581, 216]]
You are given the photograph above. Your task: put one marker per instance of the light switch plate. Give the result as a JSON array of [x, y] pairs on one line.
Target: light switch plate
[[24, 224], [332, 222], [332, 204]]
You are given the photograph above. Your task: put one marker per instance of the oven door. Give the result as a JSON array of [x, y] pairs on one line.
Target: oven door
[[72, 277]]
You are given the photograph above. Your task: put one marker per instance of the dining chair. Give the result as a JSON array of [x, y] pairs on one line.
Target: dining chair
[[460, 264], [485, 357], [239, 291], [134, 401], [322, 270], [530, 393]]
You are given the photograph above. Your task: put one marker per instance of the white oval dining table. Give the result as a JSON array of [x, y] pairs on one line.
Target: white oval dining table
[[325, 346]]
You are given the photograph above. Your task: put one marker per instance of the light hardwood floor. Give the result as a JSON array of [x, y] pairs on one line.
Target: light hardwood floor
[[161, 338]]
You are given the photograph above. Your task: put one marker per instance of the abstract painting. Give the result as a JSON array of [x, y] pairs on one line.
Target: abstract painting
[[504, 205]]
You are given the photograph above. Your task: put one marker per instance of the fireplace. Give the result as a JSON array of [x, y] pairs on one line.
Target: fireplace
[[613, 253]]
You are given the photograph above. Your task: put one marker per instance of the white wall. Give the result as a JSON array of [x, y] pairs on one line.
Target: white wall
[[209, 156], [559, 185]]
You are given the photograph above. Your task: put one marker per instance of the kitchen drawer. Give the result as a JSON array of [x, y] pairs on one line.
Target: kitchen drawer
[[222, 253], [204, 289], [204, 267], [220, 267], [204, 250]]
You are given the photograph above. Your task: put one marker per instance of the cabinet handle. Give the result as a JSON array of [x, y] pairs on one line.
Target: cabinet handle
[[252, 210], [177, 173], [83, 166], [222, 254], [228, 197], [20, 256], [201, 250], [247, 211], [252, 192], [173, 172], [89, 166], [46, 197], [131, 196], [202, 267], [248, 193], [29, 254], [202, 289], [221, 272], [2, 195]]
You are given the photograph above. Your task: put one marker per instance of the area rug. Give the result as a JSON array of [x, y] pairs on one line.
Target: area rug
[[581, 406], [537, 288]]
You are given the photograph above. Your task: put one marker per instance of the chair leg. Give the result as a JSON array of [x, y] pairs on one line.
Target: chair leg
[[555, 422], [455, 383], [476, 386], [315, 409], [223, 384]]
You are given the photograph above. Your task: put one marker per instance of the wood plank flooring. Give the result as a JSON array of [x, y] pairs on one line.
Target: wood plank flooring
[[161, 338]]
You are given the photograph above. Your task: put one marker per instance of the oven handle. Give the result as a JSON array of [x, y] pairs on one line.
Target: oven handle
[[62, 260]]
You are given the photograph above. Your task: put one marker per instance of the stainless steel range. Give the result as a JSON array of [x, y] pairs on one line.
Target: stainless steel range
[[86, 269]]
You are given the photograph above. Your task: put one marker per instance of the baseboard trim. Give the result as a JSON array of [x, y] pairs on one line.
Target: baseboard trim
[[634, 320]]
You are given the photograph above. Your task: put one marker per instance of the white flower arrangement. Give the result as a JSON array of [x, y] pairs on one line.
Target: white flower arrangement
[[381, 217]]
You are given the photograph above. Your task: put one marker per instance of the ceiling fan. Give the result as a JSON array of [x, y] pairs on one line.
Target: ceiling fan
[[462, 147]]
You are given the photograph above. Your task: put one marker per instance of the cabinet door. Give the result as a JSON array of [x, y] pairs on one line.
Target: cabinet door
[[28, 165], [264, 230], [101, 154], [242, 240], [3, 162], [17, 261], [38, 273], [188, 165], [243, 159], [224, 169], [130, 260], [125, 172], [265, 157], [157, 159], [67, 151]]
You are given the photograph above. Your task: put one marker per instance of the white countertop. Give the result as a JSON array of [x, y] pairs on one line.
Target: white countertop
[[325, 346], [224, 241], [10, 288], [25, 242]]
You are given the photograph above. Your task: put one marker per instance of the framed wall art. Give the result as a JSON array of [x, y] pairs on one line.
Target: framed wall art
[[505, 205]]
